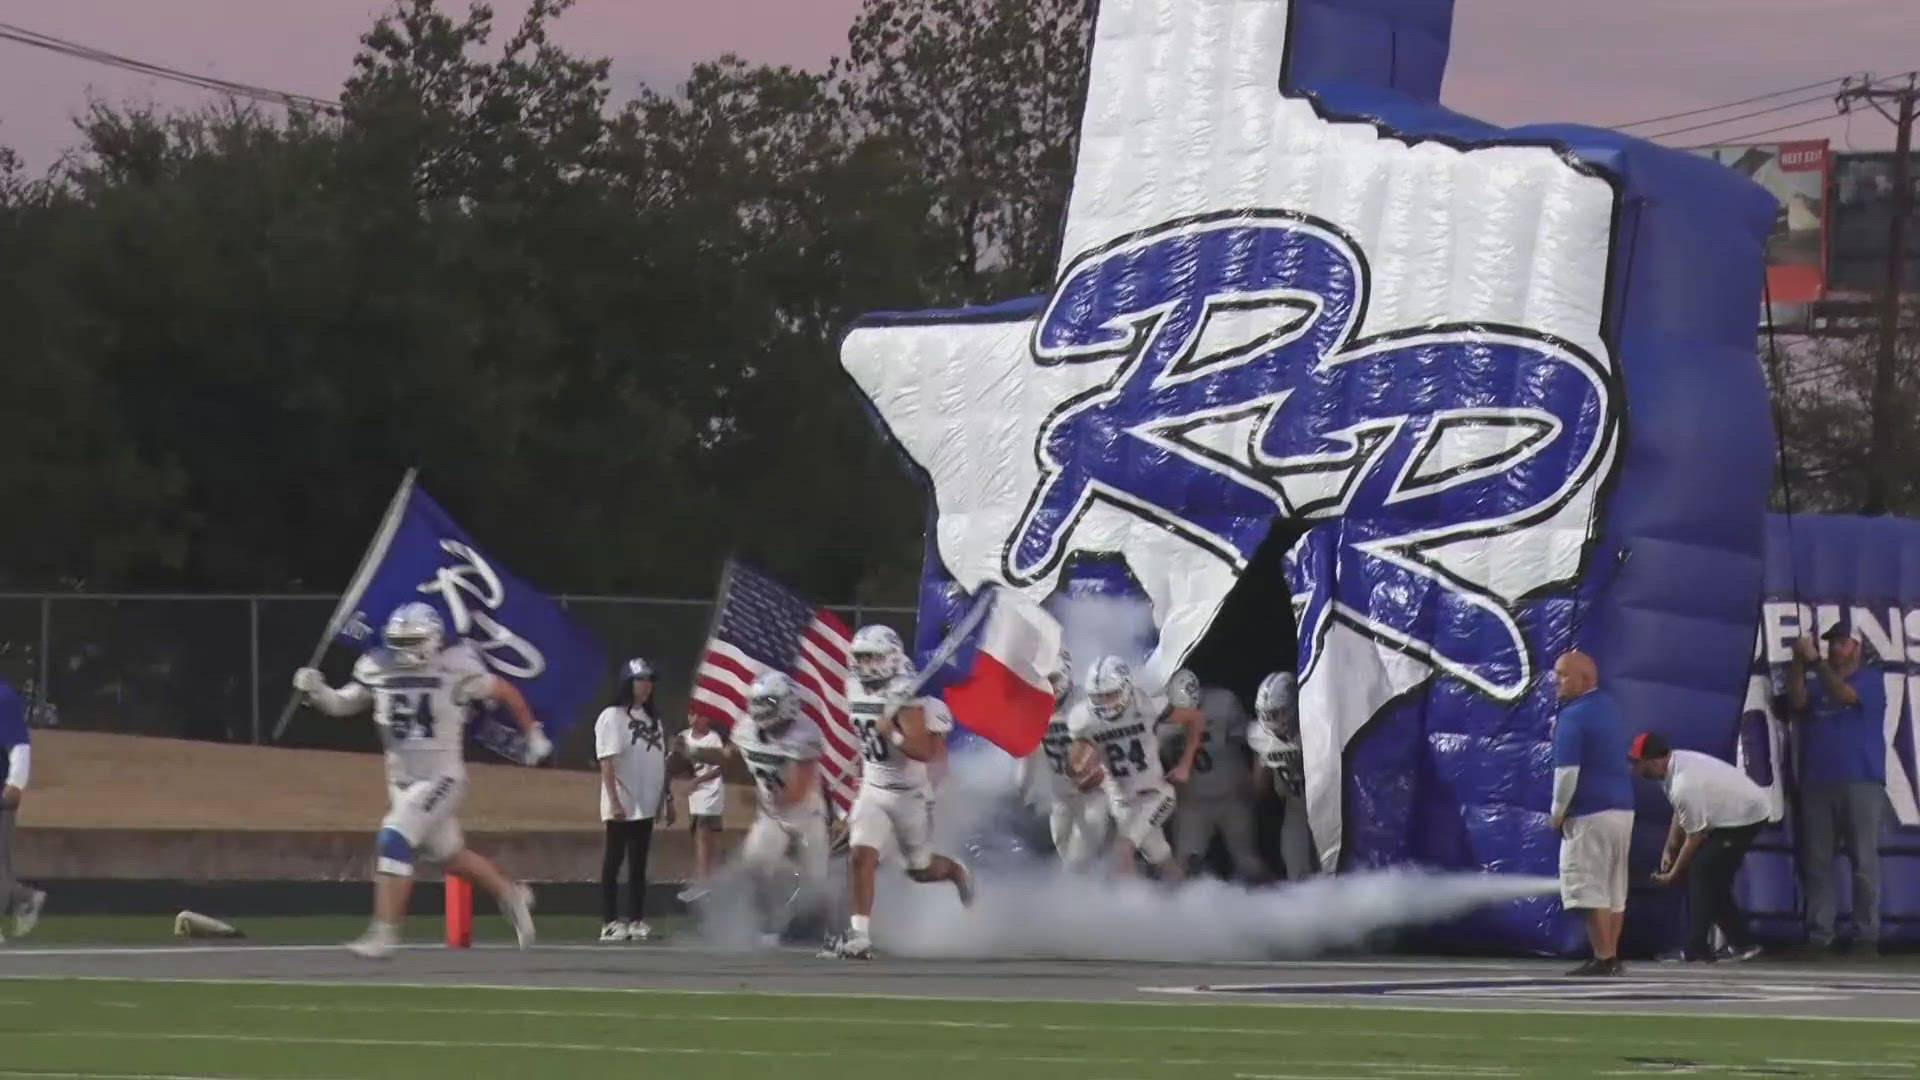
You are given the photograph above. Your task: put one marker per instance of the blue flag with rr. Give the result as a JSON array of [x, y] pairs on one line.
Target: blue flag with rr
[[525, 636]]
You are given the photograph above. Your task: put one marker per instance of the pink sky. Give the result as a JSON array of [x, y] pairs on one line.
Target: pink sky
[[1514, 61]]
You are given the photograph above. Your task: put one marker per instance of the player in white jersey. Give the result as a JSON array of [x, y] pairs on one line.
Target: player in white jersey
[[420, 692], [1115, 739], [899, 740], [1218, 797], [1077, 814], [1274, 738], [781, 749]]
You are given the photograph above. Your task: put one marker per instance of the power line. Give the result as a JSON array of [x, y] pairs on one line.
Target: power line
[[35, 39], [1731, 140], [1728, 104], [1826, 98]]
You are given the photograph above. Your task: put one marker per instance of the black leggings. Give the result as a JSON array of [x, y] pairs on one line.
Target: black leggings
[[1710, 899], [629, 841]]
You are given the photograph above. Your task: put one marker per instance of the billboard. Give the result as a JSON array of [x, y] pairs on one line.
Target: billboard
[[1862, 216], [1795, 174]]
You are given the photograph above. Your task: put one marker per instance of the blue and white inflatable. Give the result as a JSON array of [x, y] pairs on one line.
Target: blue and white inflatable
[[1337, 380]]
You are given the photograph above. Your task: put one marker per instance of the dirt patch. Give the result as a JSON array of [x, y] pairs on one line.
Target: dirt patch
[[92, 780]]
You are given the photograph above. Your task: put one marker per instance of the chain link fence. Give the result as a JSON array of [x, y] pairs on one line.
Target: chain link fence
[[217, 667]]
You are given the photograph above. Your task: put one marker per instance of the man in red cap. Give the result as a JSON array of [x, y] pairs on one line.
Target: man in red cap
[[1717, 811]]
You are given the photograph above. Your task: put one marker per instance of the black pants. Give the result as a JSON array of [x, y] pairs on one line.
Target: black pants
[[626, 841], [1710, 899]]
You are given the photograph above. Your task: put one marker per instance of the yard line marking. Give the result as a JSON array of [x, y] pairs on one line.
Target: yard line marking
[[615, 1048], [1908, 1065], [1188, 997], [991, 1025], [49, 1074]]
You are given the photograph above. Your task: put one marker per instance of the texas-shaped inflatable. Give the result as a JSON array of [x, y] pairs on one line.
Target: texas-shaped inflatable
[[1338, 381]]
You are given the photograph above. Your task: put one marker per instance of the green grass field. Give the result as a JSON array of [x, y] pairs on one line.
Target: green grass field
[[123, 1030]]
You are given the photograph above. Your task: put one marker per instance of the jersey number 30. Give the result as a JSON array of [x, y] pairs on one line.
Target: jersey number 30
[[872, 746]]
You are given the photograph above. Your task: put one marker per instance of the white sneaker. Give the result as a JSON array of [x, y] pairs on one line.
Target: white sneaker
[[638, 931], [855, 947], [377, 943], [28, 916], [520, 912], [614, 931]]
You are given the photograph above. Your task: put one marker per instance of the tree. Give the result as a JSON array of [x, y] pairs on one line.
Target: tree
[[1824, 401], [986, 96]]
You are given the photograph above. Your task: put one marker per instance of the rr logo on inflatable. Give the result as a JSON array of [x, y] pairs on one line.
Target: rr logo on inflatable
[[1445, 432]]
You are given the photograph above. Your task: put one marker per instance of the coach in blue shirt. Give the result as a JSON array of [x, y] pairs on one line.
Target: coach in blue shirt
[[1592, 807], [16, 757], [1840, 714]]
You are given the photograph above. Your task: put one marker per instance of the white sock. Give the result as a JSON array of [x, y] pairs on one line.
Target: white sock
[[859, 924]]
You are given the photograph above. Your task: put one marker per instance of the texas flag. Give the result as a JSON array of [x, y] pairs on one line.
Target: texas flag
[[992, 670]]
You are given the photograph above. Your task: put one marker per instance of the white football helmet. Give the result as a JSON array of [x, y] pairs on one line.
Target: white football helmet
[[876, 654], [1109, 687], [772, 701], [1277, 704], [1183, 690], [414, 633]]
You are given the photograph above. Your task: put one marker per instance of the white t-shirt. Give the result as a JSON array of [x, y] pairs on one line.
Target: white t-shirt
[[1129, 744], [637, 743], [884, 765], [770, 758], [1708, 793], [421, 709], [708, 796]]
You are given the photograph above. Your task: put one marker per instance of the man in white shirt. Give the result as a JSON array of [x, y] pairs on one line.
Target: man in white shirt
[[1717, 812], [16, 757]]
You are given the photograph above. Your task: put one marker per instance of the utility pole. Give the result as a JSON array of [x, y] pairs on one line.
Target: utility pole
[[1883, 468]]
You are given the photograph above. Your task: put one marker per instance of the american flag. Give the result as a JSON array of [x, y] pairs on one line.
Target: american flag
[[762, 627]]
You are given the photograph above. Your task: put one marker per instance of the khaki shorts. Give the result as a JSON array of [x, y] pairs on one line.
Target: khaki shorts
[[1593, 861]]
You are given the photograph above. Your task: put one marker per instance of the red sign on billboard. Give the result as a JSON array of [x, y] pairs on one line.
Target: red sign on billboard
[[1795, 173]]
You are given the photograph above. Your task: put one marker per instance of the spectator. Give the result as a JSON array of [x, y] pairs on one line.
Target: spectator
[[706, 799], [1717, 811], [16, 760], [632, 748], [1843, 779], [1592, 807]]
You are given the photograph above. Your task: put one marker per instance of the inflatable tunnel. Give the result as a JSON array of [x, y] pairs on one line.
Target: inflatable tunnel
[[1335, 380]]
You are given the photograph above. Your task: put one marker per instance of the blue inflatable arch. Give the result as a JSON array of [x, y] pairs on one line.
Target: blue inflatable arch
[[1332, 378]]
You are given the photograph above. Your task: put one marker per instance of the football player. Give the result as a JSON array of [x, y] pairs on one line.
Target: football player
[[420, 689], [1274, 738], [781, 749], [900, 739], [1218, 797], [1076, 812], [1115, 731]]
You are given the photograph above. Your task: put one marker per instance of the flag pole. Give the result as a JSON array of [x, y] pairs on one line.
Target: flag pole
[[349, 600]]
